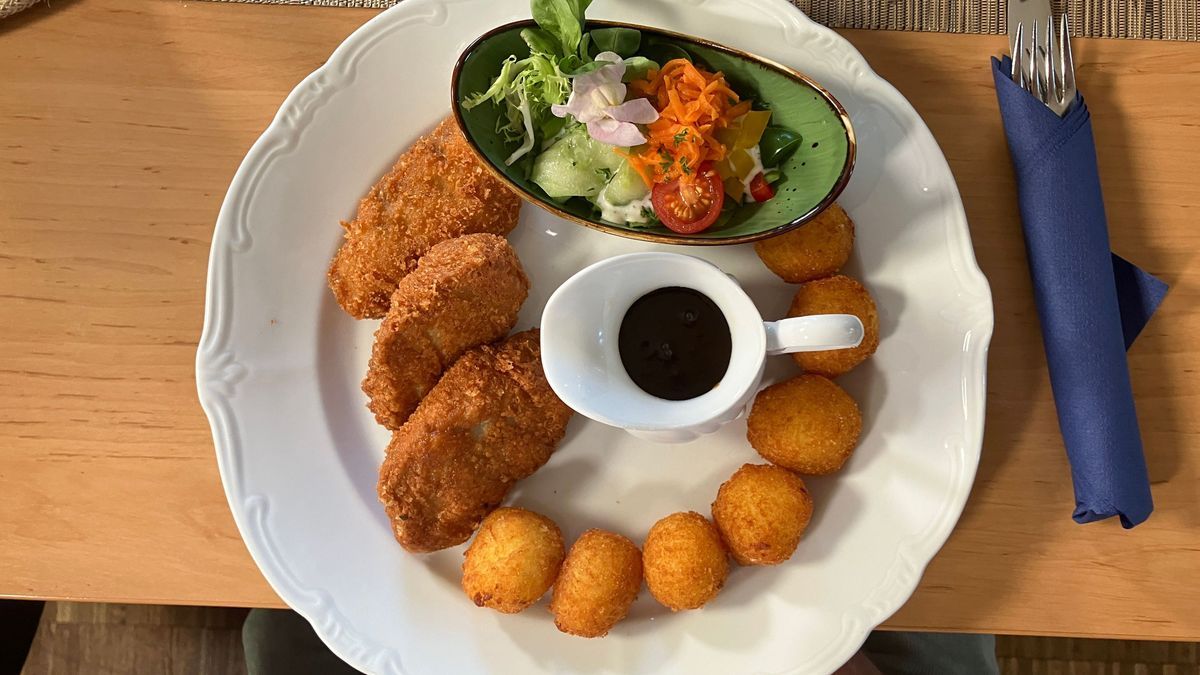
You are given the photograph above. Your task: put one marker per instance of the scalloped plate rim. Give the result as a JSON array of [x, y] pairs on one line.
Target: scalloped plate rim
[[214, 401]]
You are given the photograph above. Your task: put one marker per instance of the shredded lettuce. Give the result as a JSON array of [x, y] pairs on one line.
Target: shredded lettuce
[[525, 89], [558, 50]]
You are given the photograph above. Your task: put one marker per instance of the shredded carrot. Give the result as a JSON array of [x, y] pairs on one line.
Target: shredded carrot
[[693, 104]]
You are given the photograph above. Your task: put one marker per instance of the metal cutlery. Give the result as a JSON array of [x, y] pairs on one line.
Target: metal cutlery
[[1042, 63]]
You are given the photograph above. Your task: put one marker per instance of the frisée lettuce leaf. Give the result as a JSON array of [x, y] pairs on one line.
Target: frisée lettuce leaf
[[525, 89], [559, 49]]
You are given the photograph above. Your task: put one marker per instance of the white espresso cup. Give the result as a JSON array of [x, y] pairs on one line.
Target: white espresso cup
[[582, 320]]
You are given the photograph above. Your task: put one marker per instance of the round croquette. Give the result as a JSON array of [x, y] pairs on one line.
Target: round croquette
[[807, 424], [599, 580], [761, 512], [816, 249], [685, 561], [837, 295], [513, 560]]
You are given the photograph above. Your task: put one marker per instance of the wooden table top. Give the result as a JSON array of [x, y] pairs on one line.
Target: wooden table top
[[122, 124]]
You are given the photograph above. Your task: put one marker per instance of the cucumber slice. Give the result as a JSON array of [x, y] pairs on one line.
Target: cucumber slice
[[626, 186], [577, 165]]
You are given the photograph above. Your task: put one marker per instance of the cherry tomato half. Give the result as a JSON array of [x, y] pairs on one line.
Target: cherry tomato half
[[760, 189], [690, 207]]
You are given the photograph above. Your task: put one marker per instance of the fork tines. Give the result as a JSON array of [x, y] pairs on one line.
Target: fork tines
[[1043, 64]]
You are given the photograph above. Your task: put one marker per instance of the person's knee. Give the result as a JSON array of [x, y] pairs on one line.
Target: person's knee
[[907, 653]]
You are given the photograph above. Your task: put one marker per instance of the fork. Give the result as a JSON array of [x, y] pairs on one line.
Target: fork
[[1046, 70]]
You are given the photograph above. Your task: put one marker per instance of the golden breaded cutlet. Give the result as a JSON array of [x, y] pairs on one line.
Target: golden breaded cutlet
[[465, 292], [436, 191], [489, 422]]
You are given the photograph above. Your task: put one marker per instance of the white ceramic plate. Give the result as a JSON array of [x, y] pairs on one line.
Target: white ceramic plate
[[279, 366]]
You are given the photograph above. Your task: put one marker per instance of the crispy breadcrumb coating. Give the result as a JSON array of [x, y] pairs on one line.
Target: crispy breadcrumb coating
[[761, 511], [599, 580], [489, 422], [465, 292], [436, 191], [807, 424], [513, 560]]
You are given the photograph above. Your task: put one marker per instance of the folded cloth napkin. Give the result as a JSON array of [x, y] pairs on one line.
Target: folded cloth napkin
[[1091, 303]]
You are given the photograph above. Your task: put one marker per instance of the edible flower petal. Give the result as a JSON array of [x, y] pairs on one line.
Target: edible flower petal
[[638, 111], [610, 131], [598, 100]]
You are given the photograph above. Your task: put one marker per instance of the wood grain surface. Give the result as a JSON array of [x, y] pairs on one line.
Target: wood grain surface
[[122, 123]]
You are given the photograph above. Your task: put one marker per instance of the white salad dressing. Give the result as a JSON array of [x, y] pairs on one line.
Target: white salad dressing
[[758, 168], [633, 212]]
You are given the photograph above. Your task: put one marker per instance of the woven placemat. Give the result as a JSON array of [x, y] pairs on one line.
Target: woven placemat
[[1139, 19], [13, 6]]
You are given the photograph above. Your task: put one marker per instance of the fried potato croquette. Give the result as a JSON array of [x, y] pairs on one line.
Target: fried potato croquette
[[513, 560], [807, 424], [685, 561], [816, 249], [489, 422], [599, 580], [436, 191], [837, 295], [761, 512], [464, 292]]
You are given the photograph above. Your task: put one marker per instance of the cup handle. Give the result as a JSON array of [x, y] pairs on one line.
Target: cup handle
[[816, 333]]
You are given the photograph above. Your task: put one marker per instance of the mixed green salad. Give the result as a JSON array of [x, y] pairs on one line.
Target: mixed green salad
[[639, 128]]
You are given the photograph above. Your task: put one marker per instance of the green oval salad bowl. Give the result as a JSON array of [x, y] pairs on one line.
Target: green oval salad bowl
[[549, 107]]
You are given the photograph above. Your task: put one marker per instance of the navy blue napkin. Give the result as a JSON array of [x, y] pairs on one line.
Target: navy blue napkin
[[1092, 304]]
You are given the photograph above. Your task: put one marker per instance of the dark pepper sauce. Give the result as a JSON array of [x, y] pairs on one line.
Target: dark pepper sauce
[[675, 343]]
